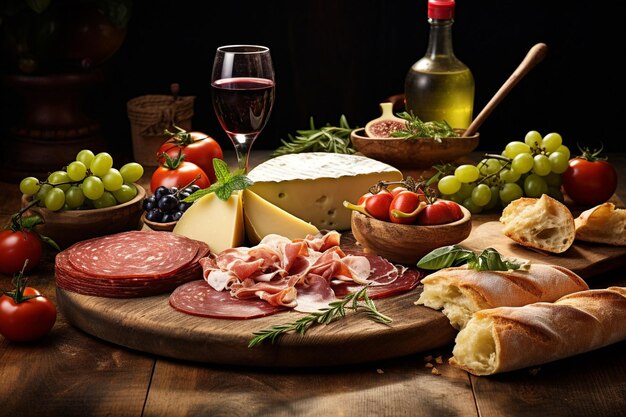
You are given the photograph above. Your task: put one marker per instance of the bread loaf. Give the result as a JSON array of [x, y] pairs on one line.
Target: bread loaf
[[602, 224], [509, 338], [461, 291], [542, 223]]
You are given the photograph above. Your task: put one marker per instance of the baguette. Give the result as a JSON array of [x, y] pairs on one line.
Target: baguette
[[509, 338], [461, 291], [602, 224], [541, 223]]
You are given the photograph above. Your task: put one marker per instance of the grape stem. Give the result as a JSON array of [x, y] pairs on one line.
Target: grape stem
[[500, 158]]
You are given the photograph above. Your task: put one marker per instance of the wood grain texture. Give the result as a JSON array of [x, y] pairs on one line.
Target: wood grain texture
[[151, 325], [402, 387]]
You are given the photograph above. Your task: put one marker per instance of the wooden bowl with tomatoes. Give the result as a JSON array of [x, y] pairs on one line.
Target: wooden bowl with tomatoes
[[67, 227], [408, 243]]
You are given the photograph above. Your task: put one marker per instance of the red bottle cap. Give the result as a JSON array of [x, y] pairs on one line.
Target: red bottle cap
[[441, 9]]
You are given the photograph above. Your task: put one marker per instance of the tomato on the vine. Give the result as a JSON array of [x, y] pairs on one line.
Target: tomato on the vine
[[178, 173], [198, 148], [440, 212], [377, 205], [589, 179], [405, 206], [25, 314], [16, 246]]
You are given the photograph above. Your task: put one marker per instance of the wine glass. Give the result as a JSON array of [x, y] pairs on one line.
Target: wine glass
[[242, 87]]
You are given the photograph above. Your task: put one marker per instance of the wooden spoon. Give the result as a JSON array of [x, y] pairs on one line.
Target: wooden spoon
[[533, 57]]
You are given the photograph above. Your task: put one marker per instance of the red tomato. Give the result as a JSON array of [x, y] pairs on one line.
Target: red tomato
[[28, 320], [16, 247], [405, 202], [377, 205], [440, 212], [179, 177], [398, 190], [198, 148], [589, 182]]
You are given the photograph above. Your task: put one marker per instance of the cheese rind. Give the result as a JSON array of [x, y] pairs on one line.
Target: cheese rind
[[215, 222], [313, 186], [262, 218]]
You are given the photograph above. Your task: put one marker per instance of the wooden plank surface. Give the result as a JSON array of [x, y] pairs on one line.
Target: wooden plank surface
[[402, 387]]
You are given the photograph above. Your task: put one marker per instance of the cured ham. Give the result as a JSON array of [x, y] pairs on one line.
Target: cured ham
[[304, 275]]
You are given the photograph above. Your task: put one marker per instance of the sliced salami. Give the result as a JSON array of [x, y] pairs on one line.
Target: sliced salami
[[127, 284], [133, 254], [199, 299]]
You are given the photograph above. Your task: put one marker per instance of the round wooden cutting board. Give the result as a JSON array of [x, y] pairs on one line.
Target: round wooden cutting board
[[151, 325]]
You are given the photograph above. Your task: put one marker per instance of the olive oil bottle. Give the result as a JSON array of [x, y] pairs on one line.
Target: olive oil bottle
[[439, 86]]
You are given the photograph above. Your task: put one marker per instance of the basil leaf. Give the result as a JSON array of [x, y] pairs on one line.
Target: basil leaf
[[491, 260], [445, 257]]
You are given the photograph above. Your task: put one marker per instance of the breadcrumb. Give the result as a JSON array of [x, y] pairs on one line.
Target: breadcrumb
[[429, 365], [439, 360], [380, 371], [434, 371]]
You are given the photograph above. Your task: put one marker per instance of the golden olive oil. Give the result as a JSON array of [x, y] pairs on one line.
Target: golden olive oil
[[440, 96]]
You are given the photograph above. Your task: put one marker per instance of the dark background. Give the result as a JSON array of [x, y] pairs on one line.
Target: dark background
[[346, 56]]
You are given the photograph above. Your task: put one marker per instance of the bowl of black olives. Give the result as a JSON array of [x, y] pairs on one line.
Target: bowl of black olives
[[163, 209]]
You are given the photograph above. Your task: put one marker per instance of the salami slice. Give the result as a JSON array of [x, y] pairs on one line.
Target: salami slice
[[199, 299], [133, 254]]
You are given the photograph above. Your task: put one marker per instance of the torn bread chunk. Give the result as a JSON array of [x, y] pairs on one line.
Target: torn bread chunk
[[461, 291], [541, 223], [602, 224]]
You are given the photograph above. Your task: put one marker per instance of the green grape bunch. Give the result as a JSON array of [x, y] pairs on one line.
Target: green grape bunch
[[90, 181], [523, 169]]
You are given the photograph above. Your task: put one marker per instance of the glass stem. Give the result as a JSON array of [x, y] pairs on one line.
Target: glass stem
[[242, 144]]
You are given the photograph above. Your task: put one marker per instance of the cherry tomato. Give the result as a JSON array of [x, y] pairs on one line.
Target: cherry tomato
[[198, 148], [377, 205], [405, 202], [589, 181], [28, 320], [398, 190], [179, 177], [16, 247], [440, 212]]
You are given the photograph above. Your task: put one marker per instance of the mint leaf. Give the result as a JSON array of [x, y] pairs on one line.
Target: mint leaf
[[226, 183]]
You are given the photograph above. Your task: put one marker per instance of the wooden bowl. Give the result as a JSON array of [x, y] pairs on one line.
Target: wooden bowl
[[67, 227], [160, 227], [405, 243], [414, 153]]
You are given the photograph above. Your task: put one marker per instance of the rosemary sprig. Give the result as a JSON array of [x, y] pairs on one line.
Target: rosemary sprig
[[415, 128], [331, 139], [334, 311]]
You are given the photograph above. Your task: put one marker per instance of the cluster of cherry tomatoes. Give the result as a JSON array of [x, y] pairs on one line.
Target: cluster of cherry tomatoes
[[406, 206], [184, 157]]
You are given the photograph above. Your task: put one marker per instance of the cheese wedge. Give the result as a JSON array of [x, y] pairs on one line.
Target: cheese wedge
[[216, 222], [313, 186], [262, 218]]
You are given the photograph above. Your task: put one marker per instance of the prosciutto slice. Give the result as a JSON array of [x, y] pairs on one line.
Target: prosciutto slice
[[304, 274]]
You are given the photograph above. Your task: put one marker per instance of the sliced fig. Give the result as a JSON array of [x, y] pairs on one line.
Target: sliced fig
[[386, 124]]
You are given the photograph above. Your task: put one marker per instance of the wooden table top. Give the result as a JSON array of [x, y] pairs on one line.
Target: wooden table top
[[69, 373]]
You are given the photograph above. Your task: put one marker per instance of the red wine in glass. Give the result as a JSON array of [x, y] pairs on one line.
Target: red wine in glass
[[242, 87], [243, 105]]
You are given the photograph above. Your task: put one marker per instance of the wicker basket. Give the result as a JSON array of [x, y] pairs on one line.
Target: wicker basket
[[150, 115]]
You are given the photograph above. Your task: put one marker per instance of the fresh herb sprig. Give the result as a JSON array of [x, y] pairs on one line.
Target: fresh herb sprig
[[415, 128], [331, 139], [226, 184], [454, 255], [334, 311]]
